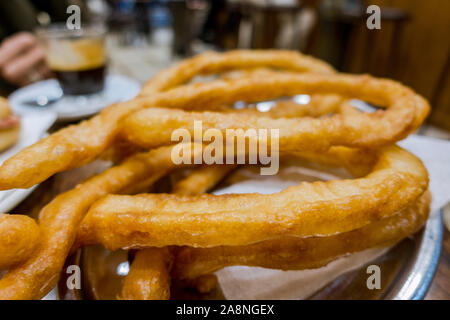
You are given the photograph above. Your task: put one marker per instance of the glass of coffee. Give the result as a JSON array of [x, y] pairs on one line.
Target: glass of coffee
[[76, 57]]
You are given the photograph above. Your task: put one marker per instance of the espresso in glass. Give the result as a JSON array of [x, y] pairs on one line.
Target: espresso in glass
[[77, 58]]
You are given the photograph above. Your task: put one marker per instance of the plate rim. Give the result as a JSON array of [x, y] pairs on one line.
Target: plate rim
[[66, 117], [421, 271]]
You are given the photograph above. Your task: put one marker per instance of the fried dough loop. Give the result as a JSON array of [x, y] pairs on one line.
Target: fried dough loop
[[309, 209], [79, 144], [19, 238], [189, 234]]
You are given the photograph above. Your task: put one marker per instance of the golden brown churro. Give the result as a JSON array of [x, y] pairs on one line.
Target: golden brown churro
[[19, 238], [188, 235]]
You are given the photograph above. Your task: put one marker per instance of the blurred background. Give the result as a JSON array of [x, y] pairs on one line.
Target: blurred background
[[145, 36]]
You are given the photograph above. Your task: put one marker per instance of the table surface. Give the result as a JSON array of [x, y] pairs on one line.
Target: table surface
[[144, 63]]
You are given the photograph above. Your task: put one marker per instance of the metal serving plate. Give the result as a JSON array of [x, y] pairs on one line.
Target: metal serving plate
[[414, 282], [407, 271]]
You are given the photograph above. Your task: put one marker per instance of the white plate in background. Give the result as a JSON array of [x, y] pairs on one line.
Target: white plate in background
[[69, 108]]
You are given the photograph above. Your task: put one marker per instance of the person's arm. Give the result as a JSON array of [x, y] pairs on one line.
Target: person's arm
[[22, 59]]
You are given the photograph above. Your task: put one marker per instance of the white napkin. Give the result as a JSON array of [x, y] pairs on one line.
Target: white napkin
[[435, 154], [259, 283]]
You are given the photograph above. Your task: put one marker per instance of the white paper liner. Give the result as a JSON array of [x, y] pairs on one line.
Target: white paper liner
[[241, 282]]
